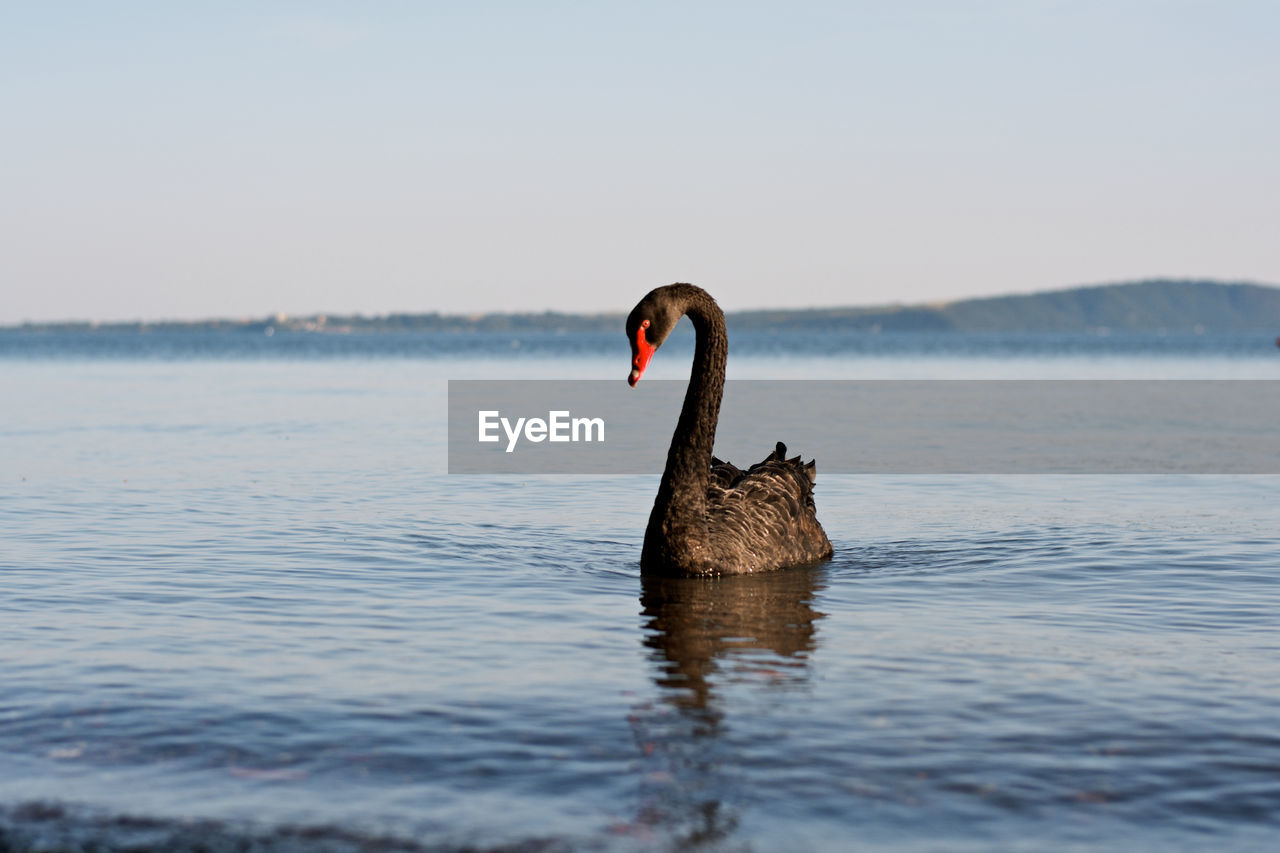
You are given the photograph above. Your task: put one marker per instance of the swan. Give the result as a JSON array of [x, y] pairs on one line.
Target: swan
[[710, 517]]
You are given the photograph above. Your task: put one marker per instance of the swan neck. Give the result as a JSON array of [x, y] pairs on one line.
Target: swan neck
[[688, 470]]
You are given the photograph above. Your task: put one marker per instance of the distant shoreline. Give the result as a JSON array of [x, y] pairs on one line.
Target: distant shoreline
[[1155, 305]]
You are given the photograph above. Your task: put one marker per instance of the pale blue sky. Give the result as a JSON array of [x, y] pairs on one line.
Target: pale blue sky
[[187, 160]]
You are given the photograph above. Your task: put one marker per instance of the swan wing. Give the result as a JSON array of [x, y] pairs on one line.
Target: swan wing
[[767, 512]]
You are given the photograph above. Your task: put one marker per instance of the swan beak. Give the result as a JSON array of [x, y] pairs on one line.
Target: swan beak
[[641, 351], [638, 365]]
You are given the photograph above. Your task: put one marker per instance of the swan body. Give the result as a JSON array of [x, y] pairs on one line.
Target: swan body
[[711, 517]]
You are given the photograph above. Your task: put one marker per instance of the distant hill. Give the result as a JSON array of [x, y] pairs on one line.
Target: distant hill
[[1138, 306], [1156, 305]]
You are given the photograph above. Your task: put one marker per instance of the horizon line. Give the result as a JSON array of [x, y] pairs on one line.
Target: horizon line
[[324, 316]]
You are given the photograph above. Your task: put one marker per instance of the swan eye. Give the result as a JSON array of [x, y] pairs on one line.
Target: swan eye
[[645, 324]]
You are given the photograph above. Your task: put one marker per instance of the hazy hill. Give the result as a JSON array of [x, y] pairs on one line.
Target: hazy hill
[[1147, 305]]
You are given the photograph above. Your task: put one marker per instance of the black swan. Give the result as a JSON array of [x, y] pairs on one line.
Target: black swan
[[710, 517]]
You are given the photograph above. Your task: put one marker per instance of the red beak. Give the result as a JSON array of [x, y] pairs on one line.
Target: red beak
[[641, 351]]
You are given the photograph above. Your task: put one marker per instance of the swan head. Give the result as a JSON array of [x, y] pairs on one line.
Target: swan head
[[648, 326]]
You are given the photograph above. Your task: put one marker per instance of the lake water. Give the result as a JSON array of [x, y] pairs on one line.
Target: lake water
[[243, 607]]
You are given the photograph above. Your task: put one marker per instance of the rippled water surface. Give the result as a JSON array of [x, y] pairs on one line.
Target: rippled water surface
[[242, 604]]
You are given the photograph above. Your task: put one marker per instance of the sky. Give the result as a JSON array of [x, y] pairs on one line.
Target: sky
[[187, 160]]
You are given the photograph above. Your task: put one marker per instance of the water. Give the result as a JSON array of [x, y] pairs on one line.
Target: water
[[243, 607]]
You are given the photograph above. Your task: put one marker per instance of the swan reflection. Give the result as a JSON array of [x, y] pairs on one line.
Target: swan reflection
[[715, 644]]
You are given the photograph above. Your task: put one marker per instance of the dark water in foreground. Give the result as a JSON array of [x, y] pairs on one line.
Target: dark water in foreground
[[242, 607]]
